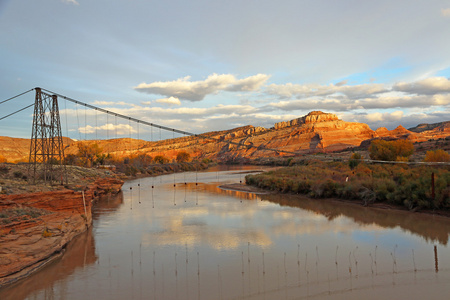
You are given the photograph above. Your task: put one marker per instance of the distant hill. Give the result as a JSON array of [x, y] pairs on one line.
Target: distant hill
[[436, 127], [315, 132]]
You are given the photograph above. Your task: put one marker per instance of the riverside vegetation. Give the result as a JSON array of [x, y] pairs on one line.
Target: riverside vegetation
[[405, 185]]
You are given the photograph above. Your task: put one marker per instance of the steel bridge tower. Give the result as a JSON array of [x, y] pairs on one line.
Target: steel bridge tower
[[46, 148]]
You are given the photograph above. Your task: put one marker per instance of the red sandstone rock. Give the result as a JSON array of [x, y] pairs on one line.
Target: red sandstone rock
[[26, 242]]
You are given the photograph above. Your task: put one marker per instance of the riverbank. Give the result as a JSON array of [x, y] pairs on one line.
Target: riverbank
[[414, 188], [36, 226]]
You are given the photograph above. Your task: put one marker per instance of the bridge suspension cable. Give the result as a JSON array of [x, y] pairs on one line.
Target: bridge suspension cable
[[174, 130], [17, 111], [4, 101]]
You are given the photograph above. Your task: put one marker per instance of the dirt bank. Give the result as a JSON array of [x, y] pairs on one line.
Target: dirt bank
[[35, 227], [242, 187]]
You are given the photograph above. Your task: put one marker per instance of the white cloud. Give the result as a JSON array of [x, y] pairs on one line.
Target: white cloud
[[392, 119], [110, 103], [119, 129], [428, 86], [382, 117], [445, 12], [74, 2], [185, 89], [381, 102], [434, 91], [251, 83], [290, 90], [170, 101]]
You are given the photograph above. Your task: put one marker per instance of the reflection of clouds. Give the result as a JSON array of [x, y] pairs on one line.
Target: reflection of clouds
[[284, 221], [194, 211], [319, 226], [223, 222], [219, 221], [227, 220], [179, 230]]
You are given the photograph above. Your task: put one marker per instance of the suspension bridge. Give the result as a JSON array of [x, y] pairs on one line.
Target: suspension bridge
[[47, 132]]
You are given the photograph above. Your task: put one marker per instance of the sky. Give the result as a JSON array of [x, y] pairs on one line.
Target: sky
[[211, 65]]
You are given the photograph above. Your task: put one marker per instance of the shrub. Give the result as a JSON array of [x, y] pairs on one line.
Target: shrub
[[437, 156], [206, 161], [354, 161], [390, 150], [4, 169], [160, 159], [183, 156]]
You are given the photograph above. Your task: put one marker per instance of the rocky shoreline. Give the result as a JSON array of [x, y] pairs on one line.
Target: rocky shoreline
[[36, 227]]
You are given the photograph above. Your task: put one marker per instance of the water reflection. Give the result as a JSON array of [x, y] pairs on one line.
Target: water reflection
[[201, 218], [52, 283], [197, 241], [431, 228], [106, 205]]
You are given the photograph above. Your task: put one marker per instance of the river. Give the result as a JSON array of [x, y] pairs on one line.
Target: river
[[195, 240]]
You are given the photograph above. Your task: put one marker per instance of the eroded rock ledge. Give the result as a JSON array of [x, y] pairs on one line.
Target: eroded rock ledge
[[312, 117], [37, 226]]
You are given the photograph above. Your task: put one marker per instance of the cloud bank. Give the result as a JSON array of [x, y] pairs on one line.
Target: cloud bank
[[185, 89]]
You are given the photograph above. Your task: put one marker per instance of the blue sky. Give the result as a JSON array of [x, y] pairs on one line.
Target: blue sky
[[211, 65]]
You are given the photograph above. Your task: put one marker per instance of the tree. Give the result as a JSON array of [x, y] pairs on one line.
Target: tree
[[89, 153], [183, 156], [437, 156], [403, 148], [381, 150], [399, 150], [160, 159]]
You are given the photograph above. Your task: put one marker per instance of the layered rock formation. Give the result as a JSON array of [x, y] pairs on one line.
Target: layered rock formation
[[312, 117], [41, 224], [442, 126], [433, 131], [399, 133]]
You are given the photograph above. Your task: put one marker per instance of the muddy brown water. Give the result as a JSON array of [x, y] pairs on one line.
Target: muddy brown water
[[197, 241]]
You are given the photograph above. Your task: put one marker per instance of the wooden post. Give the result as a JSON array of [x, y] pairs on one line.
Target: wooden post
[[436, 266], [432, 186], [84, 204]]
